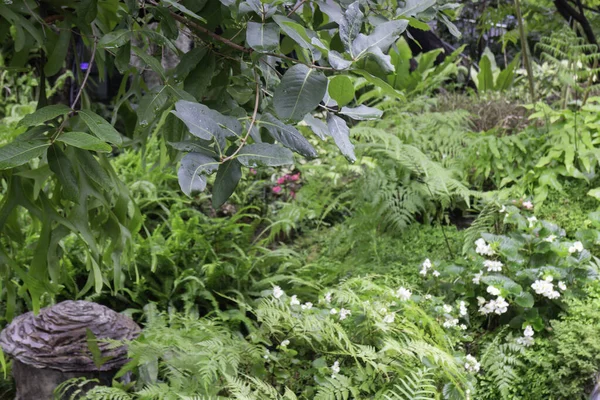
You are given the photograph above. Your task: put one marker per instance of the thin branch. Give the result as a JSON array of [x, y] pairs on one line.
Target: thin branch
[[79, 92], [252, 121], [296, 7]]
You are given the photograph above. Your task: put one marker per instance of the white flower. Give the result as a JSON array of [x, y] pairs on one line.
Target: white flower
[[307, 306], [436, 273], [447, 308], [403, 294], [427, 297], [483, 248], [493, 291], [389, 319], [576, 247], [333, 311], [528, 205], [463, 327], [477, 278], [471, 364], [532, 221], [462, 309], [545, 288], [382, 310], [480, 300], [503, 208], [285, 343], [528, 332], [426, 264], [450, 323], [294, 301], [335, 368], [550, 239], [277, 292], [562, 286], [549, 278], [328, 297], [344, 314], [266, 356], [498, 306], [526, 341], [493, 266]]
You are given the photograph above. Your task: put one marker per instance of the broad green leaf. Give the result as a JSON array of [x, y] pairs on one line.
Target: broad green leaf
[[351, 25], [206, 123], [57, 58], [63, 169], [200, 77], [595, 193], [362, 112], [152, 62], [271, 155], [287, 135], [414, 7], [100, 127], [20, 152], [318, 126], [340, 133], [380, 84], [228, 176], [151, 104], [300, 91], [84, 140], [193, 170], [298, 34], [383, 36], [195, 146], [263, 38], [507, 76], [337, 61], [92, 168], [183, 9], [188, 62], [87, 10], [341, 89], [44, 114], [485, 78], [168, 25], [524, 299], [451, 27], [115, 39]]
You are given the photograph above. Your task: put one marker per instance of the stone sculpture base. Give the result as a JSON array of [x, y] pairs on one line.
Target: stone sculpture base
[[39, 383]]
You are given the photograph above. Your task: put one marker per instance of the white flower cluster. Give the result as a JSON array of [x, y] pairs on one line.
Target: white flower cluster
[[577, 247], [426, 266], [294, 301], [403, 294], [307, 306], [447, 308], [528, 205], [483, 248], [532, 221], [527, 339], [477, 278], [546, 288], [335, 369], [277, 292], [328, 296], [389, 318], [462, 309], [494, 291], [550, 238], [471, 364], [498, 306], [493, 266], [343, 313], [285, 343], [450, 323]]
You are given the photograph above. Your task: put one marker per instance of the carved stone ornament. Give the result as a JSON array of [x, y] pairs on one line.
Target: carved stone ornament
[[56, 341]]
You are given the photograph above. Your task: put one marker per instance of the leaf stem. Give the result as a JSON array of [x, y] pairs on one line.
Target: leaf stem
[[79, 92], [252, 121]]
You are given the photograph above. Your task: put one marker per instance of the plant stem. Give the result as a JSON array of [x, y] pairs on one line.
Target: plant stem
[[525, 47]]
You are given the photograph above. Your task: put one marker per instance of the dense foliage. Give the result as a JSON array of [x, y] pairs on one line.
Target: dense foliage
[[313, 199]]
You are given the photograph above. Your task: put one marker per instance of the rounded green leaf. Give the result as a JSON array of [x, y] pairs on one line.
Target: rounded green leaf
[[341, 89], [300, 91]]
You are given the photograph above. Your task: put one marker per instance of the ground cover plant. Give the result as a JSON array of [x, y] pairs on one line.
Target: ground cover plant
[[309, 199]]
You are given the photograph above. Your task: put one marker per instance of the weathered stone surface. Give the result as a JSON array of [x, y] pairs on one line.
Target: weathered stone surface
[[56, 338]]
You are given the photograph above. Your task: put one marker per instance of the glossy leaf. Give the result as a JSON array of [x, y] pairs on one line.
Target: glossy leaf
[[115, 39], [351, 25], [57, 58], [266, 154], [63, 169], [227, 179], [299, 92], [100, 127], [362, 112], [341, 89], [44, 114], [287, 135], [20, 152], [340, 133], [84, 140], [206, 123], [193, 171], [263, 38]]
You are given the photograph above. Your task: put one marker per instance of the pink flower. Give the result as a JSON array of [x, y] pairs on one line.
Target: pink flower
[[276, 189], [293, 194], [252, 171], [295, 177], [281, 180]]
